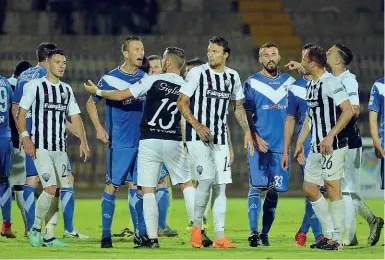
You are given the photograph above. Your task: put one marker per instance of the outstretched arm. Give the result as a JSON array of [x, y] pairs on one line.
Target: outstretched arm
[[108, 94]]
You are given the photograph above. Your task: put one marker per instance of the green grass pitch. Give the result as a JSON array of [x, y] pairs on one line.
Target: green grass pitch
[[288, 217]]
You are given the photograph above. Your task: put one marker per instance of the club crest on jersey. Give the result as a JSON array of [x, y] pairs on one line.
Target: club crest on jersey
[[46, 176], [227, 83], [199, 169], [64, 95]]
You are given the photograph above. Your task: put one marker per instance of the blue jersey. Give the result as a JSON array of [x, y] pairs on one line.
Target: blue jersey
[[122, 117], [25, 77], [6, 96], [266, 98], [376, 102]]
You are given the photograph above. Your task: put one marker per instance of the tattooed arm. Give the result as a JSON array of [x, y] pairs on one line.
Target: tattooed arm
[[240, 115], [183, 105]]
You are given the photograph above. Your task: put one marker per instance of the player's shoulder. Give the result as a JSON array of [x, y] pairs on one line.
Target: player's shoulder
[[66, 85], [170, 77], [4, 82], [348, 77], [301, 82], [380, 86], [231, 71], [199, 69], [379, 82], [12, 80], [329, 78], [286, 78]]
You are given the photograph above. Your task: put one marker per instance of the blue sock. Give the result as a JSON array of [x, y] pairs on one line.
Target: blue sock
[[29, 205], [269, 206], [67, 200], [108, 209], [314, 222], [162, 199], [6, 201], [306, 221], [131, 204], [141, 227], [254, 209]]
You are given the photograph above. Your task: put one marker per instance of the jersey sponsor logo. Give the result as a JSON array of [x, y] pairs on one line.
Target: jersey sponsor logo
[[169, 90], [132, 100], [162, 131], [273, 106], [54, 107], [312, 104], [338, 90], [211, 93]]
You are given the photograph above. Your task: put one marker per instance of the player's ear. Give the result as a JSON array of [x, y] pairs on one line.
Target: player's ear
[[125, 54], [226, 55]]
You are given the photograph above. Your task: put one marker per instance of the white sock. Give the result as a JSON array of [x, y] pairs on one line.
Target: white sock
[[20, 204], [208, 205], [202, 194], [51, 219], [338, 213], [189, 198], [350, 218], [321, 210], [43, 204], [151, 214], [219, 210]]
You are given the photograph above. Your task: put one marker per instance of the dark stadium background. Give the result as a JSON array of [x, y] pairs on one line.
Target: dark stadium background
[[93, 41]]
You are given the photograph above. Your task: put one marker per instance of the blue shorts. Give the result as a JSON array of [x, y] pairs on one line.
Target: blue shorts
[[265, 171], [69, 167], [30, 166], [6, 149], [133, 172], [382, 165], [163, 173], [119, 163]]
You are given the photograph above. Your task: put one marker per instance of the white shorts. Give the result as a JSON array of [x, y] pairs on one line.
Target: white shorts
[[351, 180], [210, 161], [155, 152], [51, 167], [325, 167], [18, 174]]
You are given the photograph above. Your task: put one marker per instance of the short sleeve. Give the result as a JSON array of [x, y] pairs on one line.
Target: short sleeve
[[18, 93], [351, 86], [374, 100], [29, 95], [238, 89], [336, 90], [249, 98], [143, 85], [192, 82], [73, 107], [292, 104]]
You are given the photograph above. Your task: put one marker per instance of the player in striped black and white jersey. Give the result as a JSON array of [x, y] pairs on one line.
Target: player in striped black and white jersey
[[338, 57], [203, 102], [329, 111], [51, 101]]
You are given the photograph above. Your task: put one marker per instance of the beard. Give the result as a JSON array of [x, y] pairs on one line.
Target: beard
[[271, 70]]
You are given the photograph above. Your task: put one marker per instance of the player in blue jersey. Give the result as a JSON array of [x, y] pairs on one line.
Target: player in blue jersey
[[122, 133], [67, 194], [376, 108], [265, 102], [296, 113], [6, 96], [18, 175]]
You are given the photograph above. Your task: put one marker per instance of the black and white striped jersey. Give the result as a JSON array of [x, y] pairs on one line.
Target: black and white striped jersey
[[210, 94], [51, 104], [350, 83], [323, 98]]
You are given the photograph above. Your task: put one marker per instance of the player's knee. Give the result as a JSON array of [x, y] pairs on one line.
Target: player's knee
[[272, 195], [311, 191], [71, 179], [185, 185], [50, 190], [254, 193], [111, 189], [32, 181]]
